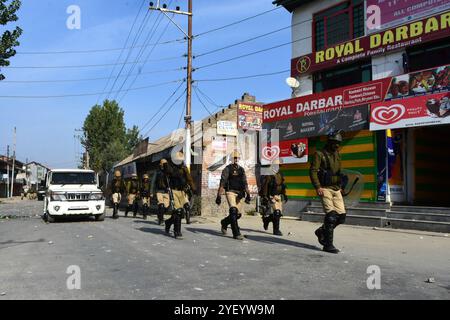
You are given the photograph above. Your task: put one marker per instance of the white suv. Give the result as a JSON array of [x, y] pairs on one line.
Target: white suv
[[73, 192]]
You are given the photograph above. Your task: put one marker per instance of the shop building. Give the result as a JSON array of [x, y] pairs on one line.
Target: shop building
[[382, 60]]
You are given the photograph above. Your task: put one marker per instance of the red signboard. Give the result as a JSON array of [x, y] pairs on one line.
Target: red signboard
[[414, 33], [432, 109], [250, 116], [289, 151], [331, 100]]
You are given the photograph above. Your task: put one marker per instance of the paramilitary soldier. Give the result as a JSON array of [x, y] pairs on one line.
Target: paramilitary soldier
[[234, 183], [144, 193], [273, 192], [117, 188], [179, 179], [161, 191], [325, 174], [132, 195]]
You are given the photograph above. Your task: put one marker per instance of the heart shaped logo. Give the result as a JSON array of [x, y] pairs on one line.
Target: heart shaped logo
[[388, 114], [270, 153]]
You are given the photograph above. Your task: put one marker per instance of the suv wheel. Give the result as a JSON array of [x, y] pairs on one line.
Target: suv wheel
[[49, 218], [100, 217]]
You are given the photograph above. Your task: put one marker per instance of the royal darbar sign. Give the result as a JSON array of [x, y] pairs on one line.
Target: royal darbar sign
[[394, 39]]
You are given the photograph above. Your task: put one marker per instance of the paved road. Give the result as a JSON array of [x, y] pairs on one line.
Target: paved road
[[133, 259]]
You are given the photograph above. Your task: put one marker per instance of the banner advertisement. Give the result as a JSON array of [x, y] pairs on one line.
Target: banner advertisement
[[228, 128], [414, 33], [395, 12], [249, 116], [289, 151], [426, 110]]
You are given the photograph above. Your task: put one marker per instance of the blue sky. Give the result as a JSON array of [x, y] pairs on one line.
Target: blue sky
[[45, 127]]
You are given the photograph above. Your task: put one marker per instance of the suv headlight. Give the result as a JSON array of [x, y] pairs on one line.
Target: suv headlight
[[55, 196], [96, 196]]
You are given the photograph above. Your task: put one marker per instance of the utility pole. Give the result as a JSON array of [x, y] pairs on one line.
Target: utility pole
[[7, 172], [188, 117], [14, 164]]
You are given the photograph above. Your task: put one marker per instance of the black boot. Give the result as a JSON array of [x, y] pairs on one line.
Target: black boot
[[276, 223], [161, 210], [234, 224], [320, 236], [187, 212], [115, 211], [266, 220], [145, 211], [224, 223], [129, 207], [177, 224], [328, 232], [169, 223]]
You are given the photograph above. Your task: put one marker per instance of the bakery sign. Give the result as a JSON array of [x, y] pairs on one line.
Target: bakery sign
[[414, 33]]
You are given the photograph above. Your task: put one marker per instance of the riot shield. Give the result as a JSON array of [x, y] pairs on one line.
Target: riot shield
[[354, 188]]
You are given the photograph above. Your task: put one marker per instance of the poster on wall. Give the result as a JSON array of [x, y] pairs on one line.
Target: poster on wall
[[434, 80], [250, 116], [395, 12], [426, 110], [289, 151]]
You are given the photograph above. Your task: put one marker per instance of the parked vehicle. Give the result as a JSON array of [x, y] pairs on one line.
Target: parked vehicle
[[73, 192]]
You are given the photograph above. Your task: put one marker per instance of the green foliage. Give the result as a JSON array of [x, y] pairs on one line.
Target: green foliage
[[106, 137], [8, 39]]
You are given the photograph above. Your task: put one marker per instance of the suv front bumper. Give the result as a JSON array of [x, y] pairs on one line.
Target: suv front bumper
[[61, 208]]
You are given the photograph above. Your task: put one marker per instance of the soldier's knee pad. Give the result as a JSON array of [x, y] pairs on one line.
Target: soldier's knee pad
[[234, 211], [179, 212], [277, 213], [331, 218], [187, 207]]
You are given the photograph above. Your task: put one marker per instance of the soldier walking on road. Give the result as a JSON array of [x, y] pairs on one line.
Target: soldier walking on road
[[233, 183], [145, 195], [179, 179], [273, 192], [161, 191], [132, 195], [117, 188], [325, 174]]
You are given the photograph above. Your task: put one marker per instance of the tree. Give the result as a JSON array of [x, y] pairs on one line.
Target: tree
[[105, 136], [9, 39]]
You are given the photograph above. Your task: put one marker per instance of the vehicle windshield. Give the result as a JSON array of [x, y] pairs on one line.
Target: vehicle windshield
[[73, 178]]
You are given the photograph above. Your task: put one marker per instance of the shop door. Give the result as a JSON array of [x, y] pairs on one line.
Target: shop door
[[431, 166]]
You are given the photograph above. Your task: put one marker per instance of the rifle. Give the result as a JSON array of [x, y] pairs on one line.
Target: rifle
[[169, 189], [344, 194]]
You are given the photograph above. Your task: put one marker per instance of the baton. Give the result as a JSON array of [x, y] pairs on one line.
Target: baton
[[344, 194]]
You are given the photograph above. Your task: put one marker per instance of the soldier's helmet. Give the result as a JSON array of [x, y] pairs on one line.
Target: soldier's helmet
[[134, 176], [145, 176], [335, 137], [235, 154], [117, 174]]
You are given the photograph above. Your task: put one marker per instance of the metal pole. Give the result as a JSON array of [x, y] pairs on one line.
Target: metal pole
[[189, 91], [7, 172], [14, 164]]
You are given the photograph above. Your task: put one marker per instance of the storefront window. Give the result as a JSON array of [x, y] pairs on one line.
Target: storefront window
[[342, 22], [343, 76]]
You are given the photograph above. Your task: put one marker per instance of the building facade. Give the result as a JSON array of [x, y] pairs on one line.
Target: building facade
[[379, 71]]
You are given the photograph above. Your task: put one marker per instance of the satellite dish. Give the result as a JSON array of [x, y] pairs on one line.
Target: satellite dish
[[292, 82]]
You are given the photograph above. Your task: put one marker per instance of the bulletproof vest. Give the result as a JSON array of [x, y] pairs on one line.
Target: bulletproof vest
[[276, 184], [145, 188], [235, 178], [134, 185], [161, 182], [116, 185], [178, 179], [330, 169]]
